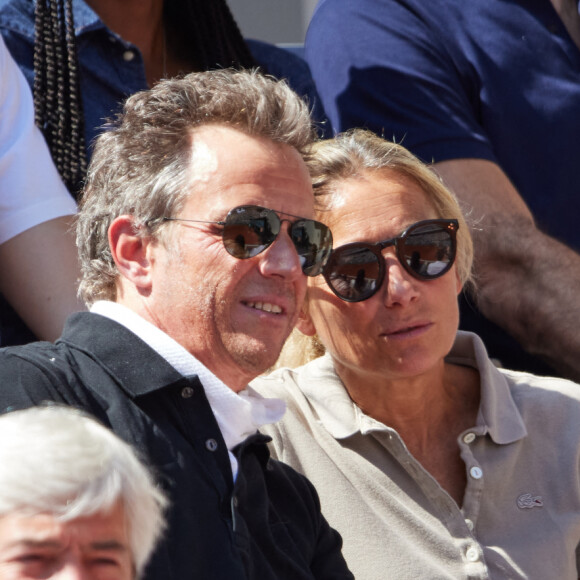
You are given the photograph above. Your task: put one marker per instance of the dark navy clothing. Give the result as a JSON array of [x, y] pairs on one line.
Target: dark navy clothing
[[112, 69], [265, 526], [487, 79]]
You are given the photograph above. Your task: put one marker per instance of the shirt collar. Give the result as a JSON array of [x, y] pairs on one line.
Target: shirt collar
[[498, 414], [238, 414]]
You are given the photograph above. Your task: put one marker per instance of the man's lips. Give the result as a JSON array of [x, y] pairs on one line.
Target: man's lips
[[265, 307]]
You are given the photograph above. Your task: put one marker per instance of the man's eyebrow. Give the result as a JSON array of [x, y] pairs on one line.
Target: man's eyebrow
[[109, 545]]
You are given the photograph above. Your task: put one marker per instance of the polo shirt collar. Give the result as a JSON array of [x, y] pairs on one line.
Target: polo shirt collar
[[138, 370], [498, 414], [325, 391]]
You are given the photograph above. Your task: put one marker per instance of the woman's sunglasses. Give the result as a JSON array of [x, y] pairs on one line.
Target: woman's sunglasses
[[425, 249], [250, 229]]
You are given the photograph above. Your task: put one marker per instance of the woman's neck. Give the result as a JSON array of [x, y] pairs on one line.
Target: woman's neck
[[140, 22], [415, 406]]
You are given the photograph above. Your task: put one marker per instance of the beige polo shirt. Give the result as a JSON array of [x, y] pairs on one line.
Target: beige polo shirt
[[521, 511]]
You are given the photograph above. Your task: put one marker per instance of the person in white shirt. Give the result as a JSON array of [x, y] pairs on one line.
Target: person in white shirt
[[38, 262]]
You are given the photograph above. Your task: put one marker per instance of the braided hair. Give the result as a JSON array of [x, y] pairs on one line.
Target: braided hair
[[204, 34], [57, 103]]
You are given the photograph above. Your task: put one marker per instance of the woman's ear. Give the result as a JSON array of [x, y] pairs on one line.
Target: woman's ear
[[304, 323]]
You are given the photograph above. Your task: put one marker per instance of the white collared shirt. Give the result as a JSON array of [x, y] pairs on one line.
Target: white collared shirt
[[238, 415]]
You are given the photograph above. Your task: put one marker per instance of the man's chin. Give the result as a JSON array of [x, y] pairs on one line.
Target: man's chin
[[257, 356]]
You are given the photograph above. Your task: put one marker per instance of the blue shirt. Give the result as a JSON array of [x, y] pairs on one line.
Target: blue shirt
[[488, 79], [111, 69]]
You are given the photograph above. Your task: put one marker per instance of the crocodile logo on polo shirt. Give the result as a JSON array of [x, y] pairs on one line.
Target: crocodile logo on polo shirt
[[528, 501]]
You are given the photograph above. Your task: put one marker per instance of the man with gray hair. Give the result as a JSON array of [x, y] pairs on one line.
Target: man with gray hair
[[75, 499], [196, 237]]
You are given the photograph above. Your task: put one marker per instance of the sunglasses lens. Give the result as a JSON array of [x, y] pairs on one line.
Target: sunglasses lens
[[313, 242], [428, 251], [353, 273], [249, 230]]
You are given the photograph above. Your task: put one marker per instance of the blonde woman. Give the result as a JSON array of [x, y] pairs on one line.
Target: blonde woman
[[429, 460]]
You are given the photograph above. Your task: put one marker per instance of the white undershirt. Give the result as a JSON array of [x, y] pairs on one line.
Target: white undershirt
[[238, 415]]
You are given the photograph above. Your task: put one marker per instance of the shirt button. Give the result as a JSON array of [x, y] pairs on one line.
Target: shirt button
[[472, 554], [469, 524], [128, 55], [476, 473], [211, 445], [469, 438], [235, 501], [187, 392]]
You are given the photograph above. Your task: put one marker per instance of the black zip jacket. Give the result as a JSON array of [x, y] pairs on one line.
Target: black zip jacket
[[266, 526]]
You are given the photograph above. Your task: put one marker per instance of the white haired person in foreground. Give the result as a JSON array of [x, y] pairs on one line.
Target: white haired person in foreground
[[75, 500]]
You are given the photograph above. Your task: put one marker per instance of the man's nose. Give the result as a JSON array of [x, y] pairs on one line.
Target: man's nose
[[73, 568], [281, 258]]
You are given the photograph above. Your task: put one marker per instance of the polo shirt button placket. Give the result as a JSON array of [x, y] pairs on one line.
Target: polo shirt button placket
[[469, 438], [476, 472]]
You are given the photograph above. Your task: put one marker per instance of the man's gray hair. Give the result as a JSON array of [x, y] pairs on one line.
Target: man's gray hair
[[57, 460], [140, 164]]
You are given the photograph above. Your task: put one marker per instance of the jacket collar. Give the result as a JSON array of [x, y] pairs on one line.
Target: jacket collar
[[138, 368]]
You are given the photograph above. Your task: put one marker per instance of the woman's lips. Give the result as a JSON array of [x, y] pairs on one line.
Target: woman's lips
[[408, 331]]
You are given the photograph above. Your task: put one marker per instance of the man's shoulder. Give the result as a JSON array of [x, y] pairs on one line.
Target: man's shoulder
[[35, 355], [69, 371], [37, 373]]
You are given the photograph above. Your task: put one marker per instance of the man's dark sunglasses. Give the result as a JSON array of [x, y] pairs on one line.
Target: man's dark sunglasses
[[250, 229], [425, 249]]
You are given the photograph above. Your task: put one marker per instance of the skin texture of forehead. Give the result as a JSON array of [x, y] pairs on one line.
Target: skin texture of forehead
[[218, 151], [359, 204]]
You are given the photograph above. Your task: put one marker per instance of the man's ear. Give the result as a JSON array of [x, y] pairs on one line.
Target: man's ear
[[304, 323], [130, 251]]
